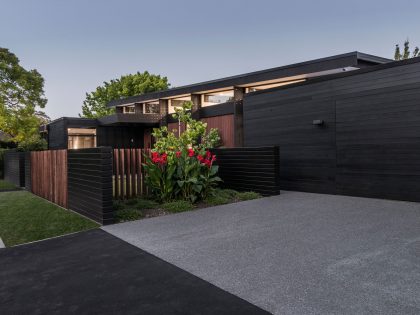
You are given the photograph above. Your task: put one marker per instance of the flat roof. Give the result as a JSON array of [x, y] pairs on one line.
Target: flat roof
[[378, 67], [352, 59]]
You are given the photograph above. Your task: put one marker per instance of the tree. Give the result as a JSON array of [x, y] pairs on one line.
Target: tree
[[94, 105], [406, 53], [21, 98]]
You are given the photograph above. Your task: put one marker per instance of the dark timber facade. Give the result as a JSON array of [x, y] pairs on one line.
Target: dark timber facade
[[347, 124], [218, 102]]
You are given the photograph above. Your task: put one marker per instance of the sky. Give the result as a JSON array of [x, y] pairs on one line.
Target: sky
[[78, 44]]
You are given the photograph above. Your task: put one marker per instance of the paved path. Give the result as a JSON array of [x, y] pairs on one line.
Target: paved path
[[297, 253], [94, 272]]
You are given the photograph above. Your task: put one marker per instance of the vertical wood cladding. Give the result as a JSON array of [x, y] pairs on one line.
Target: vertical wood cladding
[[90, 183], [14, 167], [250, 169], [175, 126], [148, 138], [49, 175], [128, 174], [225, 125], [370, 141]]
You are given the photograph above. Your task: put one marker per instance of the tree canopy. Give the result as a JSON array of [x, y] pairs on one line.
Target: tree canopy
[[406, 54], [21, 99], [94, 105]]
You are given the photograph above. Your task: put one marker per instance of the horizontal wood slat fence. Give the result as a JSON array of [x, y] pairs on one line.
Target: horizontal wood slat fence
[[49, 175], [90, 183], [250, 169], [14, 167], [128, 175]]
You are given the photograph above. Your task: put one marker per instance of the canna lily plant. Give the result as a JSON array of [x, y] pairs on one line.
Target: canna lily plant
[[182, 167]]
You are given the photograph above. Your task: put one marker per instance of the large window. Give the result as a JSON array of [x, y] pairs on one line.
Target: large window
[[151, 108], [270, 86], [177, 102], [215, 98], [81, 138], [129, 109]]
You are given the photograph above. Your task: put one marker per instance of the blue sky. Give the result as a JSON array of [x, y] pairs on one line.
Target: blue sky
[[76, 45]]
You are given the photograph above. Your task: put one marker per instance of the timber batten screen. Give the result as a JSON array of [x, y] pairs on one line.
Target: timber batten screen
[[128, 175], [49, 176]]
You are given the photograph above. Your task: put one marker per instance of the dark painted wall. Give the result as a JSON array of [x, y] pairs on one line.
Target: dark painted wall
[[113, 136], [250, 169], [14, 168], [28, 177], [57, 134], [369, 144], [90, 183], [120, 137]]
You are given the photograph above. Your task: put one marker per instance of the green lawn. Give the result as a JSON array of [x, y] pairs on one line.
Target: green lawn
[[26, 218], [6, 185]]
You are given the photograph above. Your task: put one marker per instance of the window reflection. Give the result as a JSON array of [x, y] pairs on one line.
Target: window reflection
[[81, 138]]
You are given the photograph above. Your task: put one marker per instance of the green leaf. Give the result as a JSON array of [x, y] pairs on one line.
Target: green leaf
[[198, 188], [181, 183], [214, 169]]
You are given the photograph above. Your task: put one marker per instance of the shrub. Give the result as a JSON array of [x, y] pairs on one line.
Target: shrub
[[117, 205], [34, 143], [182, 167], [130, 202], [223, 196], [178, 206], [248, 195], [127, 215], [146, 204], [217, 200]]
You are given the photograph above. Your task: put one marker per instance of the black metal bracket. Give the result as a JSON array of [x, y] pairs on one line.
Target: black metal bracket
[[318, 122]]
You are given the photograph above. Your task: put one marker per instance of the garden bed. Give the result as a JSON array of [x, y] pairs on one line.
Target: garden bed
[[143, 208]]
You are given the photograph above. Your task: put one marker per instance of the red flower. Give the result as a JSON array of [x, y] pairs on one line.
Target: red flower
[[208, 154], [159, 159], [213, 158], [190, 152], [178, 154], [200, 158]]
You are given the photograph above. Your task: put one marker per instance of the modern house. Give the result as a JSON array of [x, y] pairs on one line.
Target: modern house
[[218, 102], [347, 124]]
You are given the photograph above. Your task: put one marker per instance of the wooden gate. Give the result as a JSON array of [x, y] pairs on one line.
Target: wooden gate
[[49, 175], [128, 177]]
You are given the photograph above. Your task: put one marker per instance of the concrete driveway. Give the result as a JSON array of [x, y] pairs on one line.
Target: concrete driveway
[[297, 253]]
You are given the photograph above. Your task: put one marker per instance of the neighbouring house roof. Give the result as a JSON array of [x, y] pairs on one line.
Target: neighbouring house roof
[[353, 59], [4, 136]]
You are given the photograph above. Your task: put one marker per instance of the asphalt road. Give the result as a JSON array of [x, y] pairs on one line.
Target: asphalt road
[[94, 272]]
